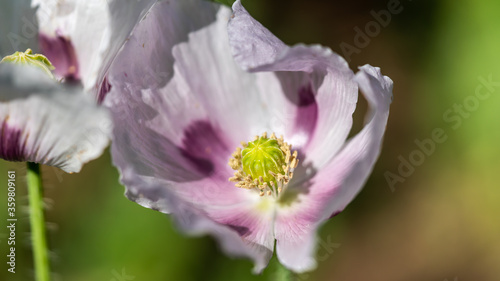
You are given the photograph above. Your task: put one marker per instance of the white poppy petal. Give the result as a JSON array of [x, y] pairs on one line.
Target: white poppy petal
[[174, 85], [241, 230], [334, 186], [45, 122], [317, 88]]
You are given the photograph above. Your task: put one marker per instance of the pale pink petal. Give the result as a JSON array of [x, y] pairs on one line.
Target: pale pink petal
[[160, 113], [163, 126], [180, 110], [318, 93], [45, 122], [252, 44], [242, 230], [334, 186], [86, 35]]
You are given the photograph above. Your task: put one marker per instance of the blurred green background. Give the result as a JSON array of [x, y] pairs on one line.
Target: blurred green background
[[440, 222]]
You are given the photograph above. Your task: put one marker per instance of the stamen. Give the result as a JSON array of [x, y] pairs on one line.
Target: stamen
[[265, 164]]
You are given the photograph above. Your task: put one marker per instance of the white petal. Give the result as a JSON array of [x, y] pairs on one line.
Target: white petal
[[244, 229], [96, 30], [334, 186], [155, 107], [181, 105], [46, 123], [317, 93], [253, 45]]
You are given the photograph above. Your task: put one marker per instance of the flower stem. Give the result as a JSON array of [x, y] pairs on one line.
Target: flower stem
[[284, 274], [38, 239]]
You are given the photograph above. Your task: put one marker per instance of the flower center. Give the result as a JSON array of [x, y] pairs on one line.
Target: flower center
[[264, 164], [36, 60]]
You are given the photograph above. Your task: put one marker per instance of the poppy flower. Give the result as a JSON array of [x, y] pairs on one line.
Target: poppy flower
[[235, 134]]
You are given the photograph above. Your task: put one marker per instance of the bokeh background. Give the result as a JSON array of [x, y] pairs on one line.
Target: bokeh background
[[438, 221]]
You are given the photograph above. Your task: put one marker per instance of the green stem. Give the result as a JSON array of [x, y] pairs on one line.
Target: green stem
[[284, 274], [38, 238]]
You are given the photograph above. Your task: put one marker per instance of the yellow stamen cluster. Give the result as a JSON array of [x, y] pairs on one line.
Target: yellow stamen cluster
[[270, 167]]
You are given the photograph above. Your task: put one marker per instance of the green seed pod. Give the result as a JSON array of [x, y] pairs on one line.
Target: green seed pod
[[28, 58], [261, 157]]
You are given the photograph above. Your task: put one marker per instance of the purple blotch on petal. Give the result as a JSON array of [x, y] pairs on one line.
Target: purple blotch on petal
[[307, 114], [241, 230], [61, 53], [11, 148], [203, 147]]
